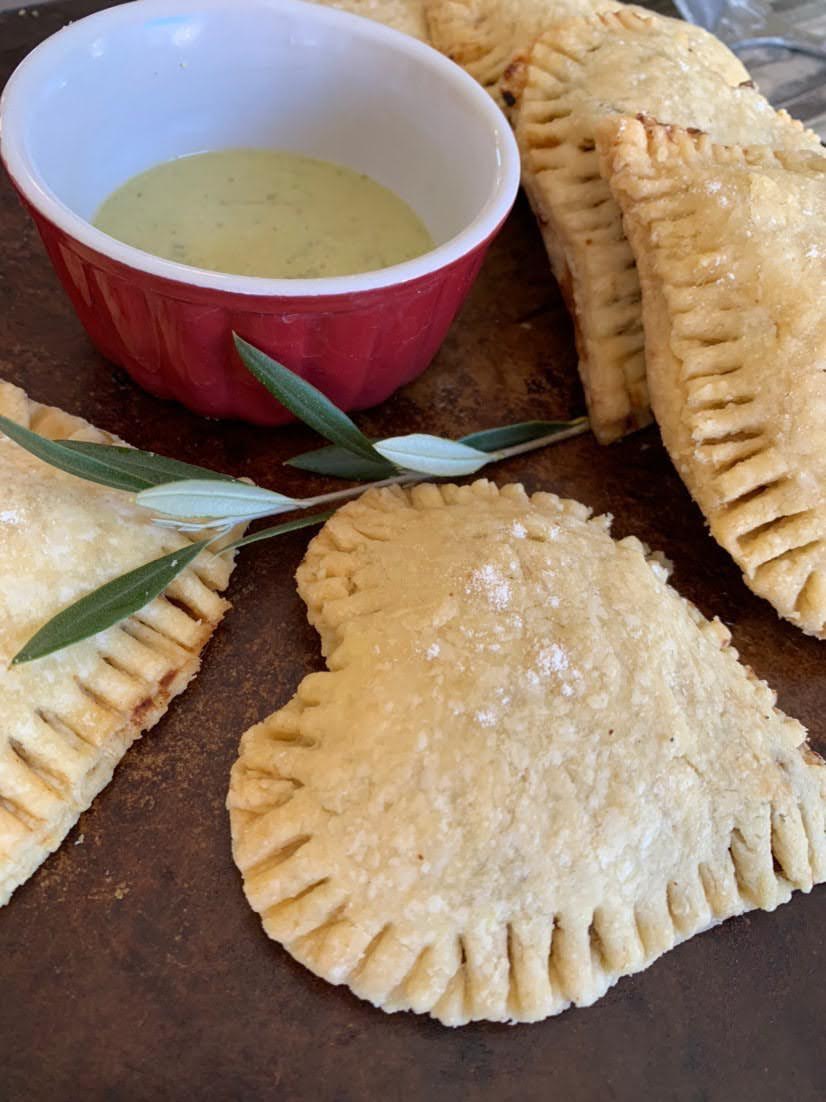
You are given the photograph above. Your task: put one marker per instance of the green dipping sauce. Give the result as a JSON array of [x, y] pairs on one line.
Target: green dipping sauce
[[264, 212]]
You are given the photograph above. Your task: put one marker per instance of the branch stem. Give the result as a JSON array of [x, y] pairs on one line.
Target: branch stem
[[577, 429], [403, 478], [406, 477]]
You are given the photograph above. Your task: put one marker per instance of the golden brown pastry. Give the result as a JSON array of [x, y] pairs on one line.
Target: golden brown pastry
[[68, 719], [483, 35], [731, 249], [530, 769], [577, 73], [401, 15]]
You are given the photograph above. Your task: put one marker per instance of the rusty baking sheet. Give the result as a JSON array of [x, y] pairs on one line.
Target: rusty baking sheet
[[130, 965]]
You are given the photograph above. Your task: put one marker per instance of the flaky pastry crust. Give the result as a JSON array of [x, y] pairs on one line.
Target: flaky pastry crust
[[731, 248], [68, 719], [402, 15], [484, 35], [530, 768], [577, 73]]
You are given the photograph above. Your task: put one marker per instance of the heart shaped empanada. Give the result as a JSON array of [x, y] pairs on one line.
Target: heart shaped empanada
[[531, 768]]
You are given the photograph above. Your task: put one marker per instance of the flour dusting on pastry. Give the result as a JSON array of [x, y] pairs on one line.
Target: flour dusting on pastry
[[490, 809], [67, 719], [483, 35], [730, 243]]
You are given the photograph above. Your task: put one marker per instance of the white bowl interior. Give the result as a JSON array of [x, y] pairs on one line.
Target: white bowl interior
[[122, 91]]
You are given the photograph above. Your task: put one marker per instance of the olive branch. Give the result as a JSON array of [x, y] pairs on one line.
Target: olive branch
[[196, 500]]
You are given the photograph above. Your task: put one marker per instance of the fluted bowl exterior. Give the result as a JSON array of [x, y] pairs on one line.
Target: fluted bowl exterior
[[175, 339], [140, 83]]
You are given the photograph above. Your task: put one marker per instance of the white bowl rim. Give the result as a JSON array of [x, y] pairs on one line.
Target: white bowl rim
[[13, 105]]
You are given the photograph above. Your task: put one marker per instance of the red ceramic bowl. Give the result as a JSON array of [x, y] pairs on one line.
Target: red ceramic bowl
[[111, 95]]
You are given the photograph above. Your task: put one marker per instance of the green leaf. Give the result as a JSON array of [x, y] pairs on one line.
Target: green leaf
[[152, 469], [207, 498], [60, 455], [305, 402], [106, 464], [432, 454], [339, 463], [108, 605], [280, 529], [506, 436], [120, 598]]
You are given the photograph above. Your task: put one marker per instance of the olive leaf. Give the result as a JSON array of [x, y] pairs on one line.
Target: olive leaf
[[67, 459], [128, 594], [335, 462], [109, 465], [152, 469], [508, 436], [432, 455], [109, 604], [280, 529], [204, 498], [305, 401]]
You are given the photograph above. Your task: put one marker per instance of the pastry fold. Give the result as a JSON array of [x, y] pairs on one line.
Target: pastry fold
[[576, 74], [68, 719], [730, 243]]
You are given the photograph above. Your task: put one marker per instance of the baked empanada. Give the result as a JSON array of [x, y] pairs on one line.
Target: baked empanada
[[401, 15], [68, 719], [530, 769], [483, 35], [731, 249], [578, 72]]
